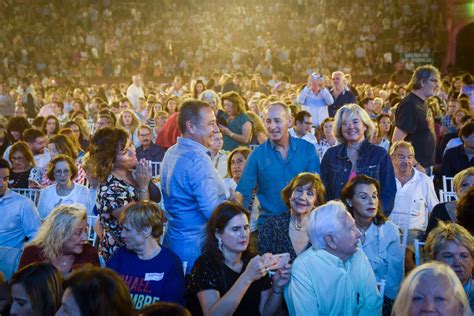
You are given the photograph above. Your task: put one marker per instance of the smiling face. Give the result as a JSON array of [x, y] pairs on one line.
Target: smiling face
[[277, 122], [365, 201], [235, 236], [433, 296], [458, 257], [203, 130], [303, 199], [75, 244], [4, 177], [352, 128]]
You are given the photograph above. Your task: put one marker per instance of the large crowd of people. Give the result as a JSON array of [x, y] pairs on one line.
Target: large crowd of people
[[232, 200], [209, 161]]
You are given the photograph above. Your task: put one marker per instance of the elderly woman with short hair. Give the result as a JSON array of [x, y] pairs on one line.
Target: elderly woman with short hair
[[288, 232], [62, 170], [433, 286], [62, 241], [356, 155], [446, 211], [452, 244], [143, 256]]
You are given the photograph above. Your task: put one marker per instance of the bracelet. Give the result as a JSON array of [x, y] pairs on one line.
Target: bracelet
[[276, 292], [142, 190], [231, 135]]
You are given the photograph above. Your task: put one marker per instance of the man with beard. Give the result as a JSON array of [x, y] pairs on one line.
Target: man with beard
[[37, 142], [190, 184], [415, 196], [148, 149], [273, 164]]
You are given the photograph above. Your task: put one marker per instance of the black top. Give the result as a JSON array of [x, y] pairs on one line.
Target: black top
[[439, 213], [455, 160], [412, 116], [210, 274], [19, 180], [274, 236]]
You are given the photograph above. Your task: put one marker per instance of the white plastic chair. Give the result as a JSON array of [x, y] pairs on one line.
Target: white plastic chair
[[32, 194], [448, 184], [155, 169], [91, 234], [447, 196], [417, 245]]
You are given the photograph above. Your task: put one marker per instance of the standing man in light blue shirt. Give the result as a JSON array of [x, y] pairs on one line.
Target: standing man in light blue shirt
[[333, 277], [272, 165], [20, 219], [190, 184]]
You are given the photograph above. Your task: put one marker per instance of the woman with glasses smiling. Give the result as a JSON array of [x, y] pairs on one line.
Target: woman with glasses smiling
[[62, 170]]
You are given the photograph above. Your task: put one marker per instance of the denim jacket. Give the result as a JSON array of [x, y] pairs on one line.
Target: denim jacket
[[373, 161]]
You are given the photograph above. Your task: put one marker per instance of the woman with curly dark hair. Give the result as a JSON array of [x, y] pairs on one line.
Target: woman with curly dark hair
[[122, 180]]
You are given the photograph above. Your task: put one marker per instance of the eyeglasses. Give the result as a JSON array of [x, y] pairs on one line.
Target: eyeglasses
[[62, 172], [434, 80]]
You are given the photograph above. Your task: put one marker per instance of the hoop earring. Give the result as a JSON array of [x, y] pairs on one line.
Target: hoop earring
[[219, 244]]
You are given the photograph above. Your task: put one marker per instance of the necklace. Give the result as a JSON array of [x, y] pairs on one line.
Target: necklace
[[296, 226]]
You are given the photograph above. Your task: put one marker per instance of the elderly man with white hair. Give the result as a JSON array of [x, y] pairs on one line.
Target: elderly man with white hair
[[334, 276], [315, 98]]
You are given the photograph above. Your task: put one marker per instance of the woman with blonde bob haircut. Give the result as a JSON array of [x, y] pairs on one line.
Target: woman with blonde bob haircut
[[446, 211], [62, 241], [452, 244], [143, 256], [432, 287], [356, 155]]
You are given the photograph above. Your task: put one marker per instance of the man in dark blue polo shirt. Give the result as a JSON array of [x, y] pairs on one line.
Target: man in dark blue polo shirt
[[148, 149]]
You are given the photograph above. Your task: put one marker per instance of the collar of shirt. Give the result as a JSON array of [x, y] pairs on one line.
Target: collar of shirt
[[8, 194], [192, 143], [291, 144], [414, 178]]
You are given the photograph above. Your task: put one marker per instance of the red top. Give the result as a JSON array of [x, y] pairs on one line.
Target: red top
[[35, 254], [169, 133]]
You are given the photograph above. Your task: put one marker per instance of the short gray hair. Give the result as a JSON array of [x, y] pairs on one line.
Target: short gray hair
[[423, 74], [325, 220]]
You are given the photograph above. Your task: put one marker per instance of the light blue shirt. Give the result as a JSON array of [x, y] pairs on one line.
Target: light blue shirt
[[20, 219], [191, 191], [315, 104], [268, 173], [323, 284], [384, 251]]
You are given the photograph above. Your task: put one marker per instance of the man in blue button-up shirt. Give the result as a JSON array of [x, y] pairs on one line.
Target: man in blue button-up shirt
[[273, 164], [190, 184]]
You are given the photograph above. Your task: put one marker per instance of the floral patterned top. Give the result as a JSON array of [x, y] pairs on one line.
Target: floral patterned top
[[112, 194]]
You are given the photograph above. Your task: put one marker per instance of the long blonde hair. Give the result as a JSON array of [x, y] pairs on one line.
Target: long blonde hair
[[58, 228], [135, 121]]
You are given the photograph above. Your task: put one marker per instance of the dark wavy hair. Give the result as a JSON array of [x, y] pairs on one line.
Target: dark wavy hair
[[219, 219], [44, 285], [100, 291], [303, 179], [349, 190], [105, 145]]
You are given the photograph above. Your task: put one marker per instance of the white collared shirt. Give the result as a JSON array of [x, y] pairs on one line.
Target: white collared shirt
[[417, 199]]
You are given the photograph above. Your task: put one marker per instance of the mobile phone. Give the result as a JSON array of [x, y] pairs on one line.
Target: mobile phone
[[283, 260]]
